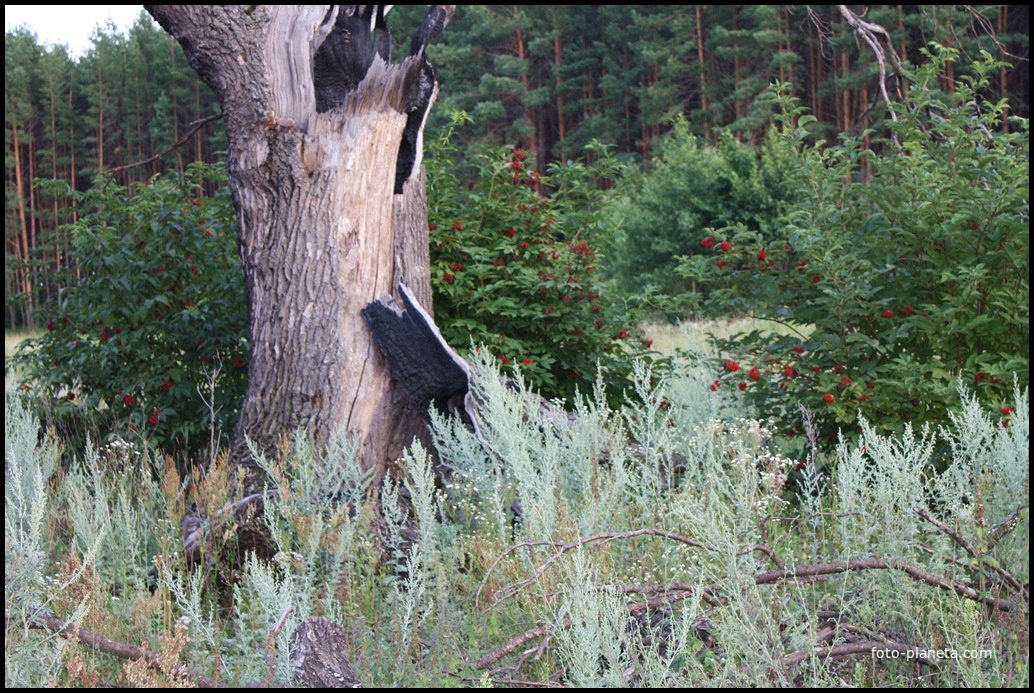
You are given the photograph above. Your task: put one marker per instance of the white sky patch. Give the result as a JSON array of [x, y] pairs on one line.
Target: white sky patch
[[72, 25]]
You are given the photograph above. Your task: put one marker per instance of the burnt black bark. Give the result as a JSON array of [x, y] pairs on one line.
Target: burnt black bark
[[428, 371], [360, 34]]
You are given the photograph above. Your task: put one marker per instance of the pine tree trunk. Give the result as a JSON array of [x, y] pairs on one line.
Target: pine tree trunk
[[322, 230]]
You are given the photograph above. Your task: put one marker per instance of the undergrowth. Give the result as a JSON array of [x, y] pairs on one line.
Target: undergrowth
[[663, 544]]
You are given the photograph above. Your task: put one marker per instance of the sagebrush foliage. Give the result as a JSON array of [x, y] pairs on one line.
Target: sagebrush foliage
[[645, 563]]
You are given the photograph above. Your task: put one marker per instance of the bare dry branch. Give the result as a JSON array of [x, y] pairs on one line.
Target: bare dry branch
[[271, 648], [662, 596], [870, 33], [602, 538], [956, 537], [512, 645], [854, 648], [194, 127], [909, 569], [51, 623], [996, 535]]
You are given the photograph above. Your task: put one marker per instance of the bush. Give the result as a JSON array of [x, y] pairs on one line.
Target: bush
[[901, 273], [157, 317], [690, 188], [514, 271]]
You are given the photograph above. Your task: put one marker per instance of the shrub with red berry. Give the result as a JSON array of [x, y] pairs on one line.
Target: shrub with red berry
[[159, 307], [897, 284], [515, 271]]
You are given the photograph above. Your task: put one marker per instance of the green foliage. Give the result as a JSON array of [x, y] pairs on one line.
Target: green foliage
[[515, 271], [901, 272], [691, 188], [151, 341]]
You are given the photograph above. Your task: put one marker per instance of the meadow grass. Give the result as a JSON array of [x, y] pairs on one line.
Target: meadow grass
[[667, 543], [693, 335]]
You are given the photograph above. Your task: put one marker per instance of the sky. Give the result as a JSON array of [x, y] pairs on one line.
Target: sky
[[71, 25]]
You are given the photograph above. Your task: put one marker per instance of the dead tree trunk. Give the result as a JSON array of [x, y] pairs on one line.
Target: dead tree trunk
[[323, 159]]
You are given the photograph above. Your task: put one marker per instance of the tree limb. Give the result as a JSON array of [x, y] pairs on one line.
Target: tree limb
[[194, 127], [870, 33], [52, 624]]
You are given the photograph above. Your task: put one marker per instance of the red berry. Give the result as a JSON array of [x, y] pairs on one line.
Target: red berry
[[726, 246], [788, 371], [816, 279], [448, 277], [708, 243], [743, 387], [888, 314], [129, 400], [721, 263], [526, 361], [909, 310], [828, 398], [155, 417], [754, 374], [979, 377], [167, 385], [797, 349], [1006, 411], [731, 366], [762, 255]]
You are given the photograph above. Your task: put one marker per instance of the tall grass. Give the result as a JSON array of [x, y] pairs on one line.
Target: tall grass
[[667, 543]]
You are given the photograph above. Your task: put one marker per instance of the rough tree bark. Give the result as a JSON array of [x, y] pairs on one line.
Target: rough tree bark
[[323, 159]]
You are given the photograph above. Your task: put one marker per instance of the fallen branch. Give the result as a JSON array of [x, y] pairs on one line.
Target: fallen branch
[[561, 549], [909, 569], [956, 537], [853, 648], [1000, 530], [661, 596], [267, 682], [996, 535], [513, 645], [52, 624]]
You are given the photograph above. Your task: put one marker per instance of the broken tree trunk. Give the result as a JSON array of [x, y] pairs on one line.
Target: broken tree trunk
[[323, 159]]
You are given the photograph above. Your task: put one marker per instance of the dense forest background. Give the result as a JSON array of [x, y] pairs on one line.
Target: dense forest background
[[550, 79]]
